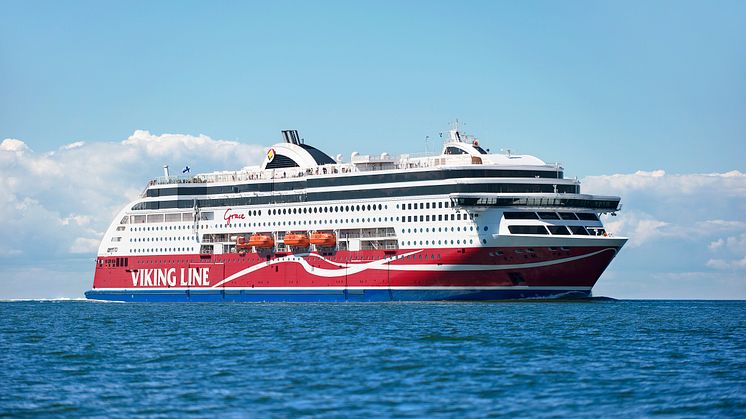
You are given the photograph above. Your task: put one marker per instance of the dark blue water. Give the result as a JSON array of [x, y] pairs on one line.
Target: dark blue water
[[528, 359]]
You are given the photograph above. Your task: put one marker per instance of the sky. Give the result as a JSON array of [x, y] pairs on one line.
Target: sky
[[645, 100]]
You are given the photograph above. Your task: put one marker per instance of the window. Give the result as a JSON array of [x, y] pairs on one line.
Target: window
[[520, 216], [568, 216], [578, 230], [548, 216], [559, 230], [587, 216], [527, 230]]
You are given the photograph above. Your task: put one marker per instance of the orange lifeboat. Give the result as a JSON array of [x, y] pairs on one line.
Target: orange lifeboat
[[261, 241], [324, 239], [296, 240], [241, 243]]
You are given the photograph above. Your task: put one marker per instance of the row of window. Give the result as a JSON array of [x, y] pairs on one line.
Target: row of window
[[359, 194], [192, 189], [556, 230], [408, 219], [445, 242], [542, 202], [440, 217], [113, 262], [441, 229], [423, 205], [158, 239], [550, 215], [336, 208], [163, 249]]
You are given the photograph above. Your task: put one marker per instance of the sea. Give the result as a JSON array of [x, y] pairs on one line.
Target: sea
[[592, 358]]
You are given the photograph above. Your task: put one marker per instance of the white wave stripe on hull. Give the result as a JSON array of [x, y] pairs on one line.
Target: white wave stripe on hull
[[378, 265]]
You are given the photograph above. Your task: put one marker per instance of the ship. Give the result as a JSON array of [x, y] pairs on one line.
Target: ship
[[462, 225]]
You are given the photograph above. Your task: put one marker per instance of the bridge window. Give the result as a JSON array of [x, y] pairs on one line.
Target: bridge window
[[548, 216], [527, 230], [520, 216], [559, 230], [578, 230]]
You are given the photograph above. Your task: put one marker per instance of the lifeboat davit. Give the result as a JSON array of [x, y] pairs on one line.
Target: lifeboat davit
[[261, 241], [324, 239], [296, 240]]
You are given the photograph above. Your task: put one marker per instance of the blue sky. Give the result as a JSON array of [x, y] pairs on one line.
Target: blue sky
[[617, 92]]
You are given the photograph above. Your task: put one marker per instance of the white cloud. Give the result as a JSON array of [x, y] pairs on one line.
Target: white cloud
[[84, 245], [658, 182], [13, 145], [73, 145], [680, 226], [638, 226], [59, 203]]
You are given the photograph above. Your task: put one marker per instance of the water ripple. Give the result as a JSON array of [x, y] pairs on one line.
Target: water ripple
[[74, 358]]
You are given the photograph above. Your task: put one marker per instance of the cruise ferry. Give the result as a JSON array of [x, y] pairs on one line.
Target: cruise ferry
[[462, 225]]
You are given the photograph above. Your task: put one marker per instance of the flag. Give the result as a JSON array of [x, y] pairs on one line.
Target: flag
[[186, 170]]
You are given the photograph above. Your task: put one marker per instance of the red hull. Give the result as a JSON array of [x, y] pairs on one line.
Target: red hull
[[578, 267]]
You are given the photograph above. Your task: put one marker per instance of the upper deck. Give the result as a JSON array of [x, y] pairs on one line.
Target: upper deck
[[293, 160]]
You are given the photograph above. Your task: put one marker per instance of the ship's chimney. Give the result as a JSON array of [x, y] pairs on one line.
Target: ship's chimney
[[165, 171], [291, 136]]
